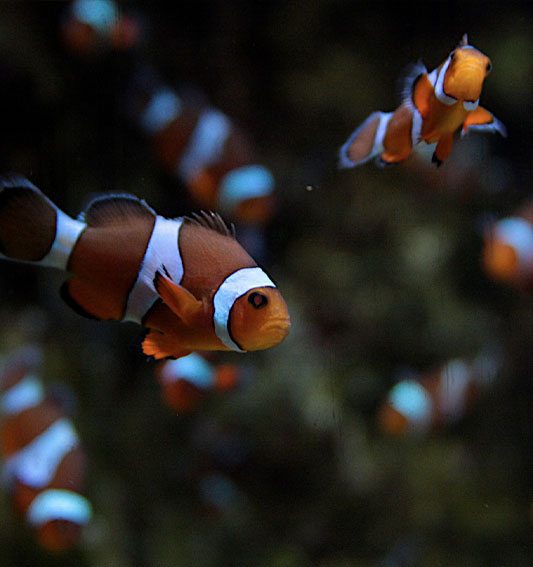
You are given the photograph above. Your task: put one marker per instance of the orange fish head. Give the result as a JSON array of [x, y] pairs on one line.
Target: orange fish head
[[466, 72], [259, 319]]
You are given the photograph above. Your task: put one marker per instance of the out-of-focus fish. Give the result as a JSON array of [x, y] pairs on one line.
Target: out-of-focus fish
[[186, 380], [205, 149], [434, 105], [187, 280], [508, 251], [437, 399], [44, 465], [90, 27]]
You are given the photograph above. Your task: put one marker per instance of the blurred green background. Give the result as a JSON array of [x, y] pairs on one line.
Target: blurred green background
[[380, 269]]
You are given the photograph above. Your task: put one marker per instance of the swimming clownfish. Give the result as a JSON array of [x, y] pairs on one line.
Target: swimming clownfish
[[507, 255], [187, 280], [434, 105], [439, 398], [205, 149], [186, 380], [44, 464]]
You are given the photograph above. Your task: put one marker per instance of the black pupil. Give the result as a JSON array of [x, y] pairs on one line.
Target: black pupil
[[257, 300]]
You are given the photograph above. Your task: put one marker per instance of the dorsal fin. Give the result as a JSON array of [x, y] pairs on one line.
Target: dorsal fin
[[117, 209], [212, 221], [464, 41], [408, 78]]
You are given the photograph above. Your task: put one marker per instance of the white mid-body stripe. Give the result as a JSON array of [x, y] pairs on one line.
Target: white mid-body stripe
[[162, 250], [100, 14], [454, 381], [25, 394], [193, 368], [413, 401], [55, 504], [36, 464], [206, 143], [233, 287]]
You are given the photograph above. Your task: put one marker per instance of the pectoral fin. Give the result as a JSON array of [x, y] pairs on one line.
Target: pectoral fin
[[443, 149], [481, 120], [180, 300], [160, 345]]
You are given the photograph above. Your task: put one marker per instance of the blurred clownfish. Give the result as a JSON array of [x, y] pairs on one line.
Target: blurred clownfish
[[508, 251], [185, 381], [434, 105], [187, 280], [44, 465], [420, 404], [93, 26], [202, 146]]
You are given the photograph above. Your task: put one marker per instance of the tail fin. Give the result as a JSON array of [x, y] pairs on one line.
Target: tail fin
[[32, 228], [366, 142]]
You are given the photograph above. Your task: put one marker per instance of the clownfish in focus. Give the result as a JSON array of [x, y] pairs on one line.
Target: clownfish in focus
[[186, 280], [44, 465], [434, 105]]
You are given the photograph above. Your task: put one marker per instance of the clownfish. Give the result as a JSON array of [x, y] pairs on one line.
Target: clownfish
[[185, 381], [507, 254], [186, 280], [44, 464], [436, 399], [202, 146], [89, 27], [434, 105]]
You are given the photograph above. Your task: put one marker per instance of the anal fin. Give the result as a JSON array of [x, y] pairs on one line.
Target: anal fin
[[160, 345]]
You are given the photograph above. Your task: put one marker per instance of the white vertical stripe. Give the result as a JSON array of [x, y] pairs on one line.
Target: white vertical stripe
[[36, 464], [247, 182], [55, 504], [233, 287], [162, 250], [26, 393], [193, 368], [161, 110], [206, 143], [68, 231]]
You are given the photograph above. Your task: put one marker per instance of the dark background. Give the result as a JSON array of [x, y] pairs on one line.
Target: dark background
[[380, 269]]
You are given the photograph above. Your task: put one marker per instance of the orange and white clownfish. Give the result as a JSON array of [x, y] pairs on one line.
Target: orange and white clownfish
[[44, 464], [436, 399], [434, 105], [507, 255], [187, 280], [91, 27], [201, 146], [185, 381]]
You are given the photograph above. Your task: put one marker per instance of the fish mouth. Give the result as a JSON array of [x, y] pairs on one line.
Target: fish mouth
[[276, 331]]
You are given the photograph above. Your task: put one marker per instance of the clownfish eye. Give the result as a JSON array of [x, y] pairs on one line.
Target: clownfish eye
[[257, 300], [489, 67]]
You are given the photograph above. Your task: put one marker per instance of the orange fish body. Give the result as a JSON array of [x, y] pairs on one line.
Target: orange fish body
[[187, 280], [435, 105], [44, 464], [205, 149]]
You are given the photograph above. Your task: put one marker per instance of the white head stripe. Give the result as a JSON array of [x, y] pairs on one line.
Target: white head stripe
[[413, 401], [468, 105], [162, 250], [54, 504], [68, 231], [101, 14], [247, 182], [518, 233], [25, 394], [161, 110], [206, 143], [439, 85], [193, 368], [36, 464], [235, 285]]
